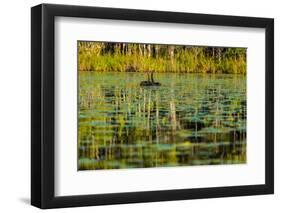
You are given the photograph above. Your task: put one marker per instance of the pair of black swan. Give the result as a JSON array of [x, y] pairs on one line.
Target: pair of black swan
[[150, 81]]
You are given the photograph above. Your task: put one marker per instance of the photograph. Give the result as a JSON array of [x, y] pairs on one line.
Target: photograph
[[144, 105], [133, 105]]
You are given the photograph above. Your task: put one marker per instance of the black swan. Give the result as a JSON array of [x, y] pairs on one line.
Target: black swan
[[150, 81]]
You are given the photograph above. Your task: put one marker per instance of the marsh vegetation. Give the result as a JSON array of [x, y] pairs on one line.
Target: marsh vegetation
[[126, 57]]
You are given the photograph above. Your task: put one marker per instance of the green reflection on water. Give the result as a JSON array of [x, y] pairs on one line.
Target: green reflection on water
[[191, 119]]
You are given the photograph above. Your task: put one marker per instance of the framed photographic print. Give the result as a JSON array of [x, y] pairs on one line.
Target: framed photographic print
[[139, 106]]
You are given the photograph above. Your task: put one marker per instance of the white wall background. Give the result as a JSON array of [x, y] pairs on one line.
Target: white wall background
[[15, 105]]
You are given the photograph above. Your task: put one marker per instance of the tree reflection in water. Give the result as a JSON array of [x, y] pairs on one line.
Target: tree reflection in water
[[191, 119]]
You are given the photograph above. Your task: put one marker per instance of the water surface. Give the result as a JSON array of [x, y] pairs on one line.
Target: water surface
[[191, 119]]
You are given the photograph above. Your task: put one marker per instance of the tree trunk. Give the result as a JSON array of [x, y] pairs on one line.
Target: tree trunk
[[149, 50], [140, 50]]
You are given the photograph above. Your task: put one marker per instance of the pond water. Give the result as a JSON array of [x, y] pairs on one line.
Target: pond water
[[191, 119]]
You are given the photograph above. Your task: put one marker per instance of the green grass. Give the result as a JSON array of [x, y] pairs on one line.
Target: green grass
[[188, 60]]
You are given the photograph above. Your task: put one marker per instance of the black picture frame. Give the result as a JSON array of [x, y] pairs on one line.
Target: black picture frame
[[43, 102]]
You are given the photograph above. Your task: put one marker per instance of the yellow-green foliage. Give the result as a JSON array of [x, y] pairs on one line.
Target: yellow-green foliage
[[120, 57]]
